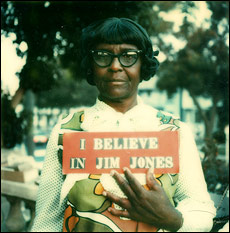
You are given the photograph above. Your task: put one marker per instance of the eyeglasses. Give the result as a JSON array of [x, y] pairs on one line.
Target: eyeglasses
[[104, 59]]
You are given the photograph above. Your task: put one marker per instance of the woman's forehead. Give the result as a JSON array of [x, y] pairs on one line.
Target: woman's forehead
[[123, 46]]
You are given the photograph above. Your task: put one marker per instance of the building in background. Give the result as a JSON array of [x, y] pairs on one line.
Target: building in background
[[181, 105]]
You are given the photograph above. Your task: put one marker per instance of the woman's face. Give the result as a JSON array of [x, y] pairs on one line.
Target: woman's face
[[117, 82]]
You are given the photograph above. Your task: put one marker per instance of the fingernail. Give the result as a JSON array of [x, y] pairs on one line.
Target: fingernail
[[125, 169], [152, 169], [112, 172], [104, 193]]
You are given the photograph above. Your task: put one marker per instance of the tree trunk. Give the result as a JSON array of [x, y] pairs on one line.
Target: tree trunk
[[17, 97], [210, 147], [208, 123], [29, 106]]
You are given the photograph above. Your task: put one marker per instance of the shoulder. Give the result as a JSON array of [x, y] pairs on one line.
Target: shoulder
[[168, 121], [172, 122], [163, 116], [72, 121], [66, 123]]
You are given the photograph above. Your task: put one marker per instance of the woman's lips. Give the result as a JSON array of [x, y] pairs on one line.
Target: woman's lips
[[116, 82]]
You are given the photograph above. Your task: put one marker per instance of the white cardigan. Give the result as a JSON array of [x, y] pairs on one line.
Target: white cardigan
[[191, 196]]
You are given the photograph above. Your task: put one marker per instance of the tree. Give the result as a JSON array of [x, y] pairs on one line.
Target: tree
[[12, 132], [51, 31], [201, 68], [67, 94]]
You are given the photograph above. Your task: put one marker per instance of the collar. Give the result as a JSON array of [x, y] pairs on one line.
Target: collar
[[102, 106], [102, 117]]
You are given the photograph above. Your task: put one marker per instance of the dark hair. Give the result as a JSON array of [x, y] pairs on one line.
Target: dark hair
[[117, 31]]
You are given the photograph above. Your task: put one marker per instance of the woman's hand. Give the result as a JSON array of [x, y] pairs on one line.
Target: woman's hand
[[150, 206]]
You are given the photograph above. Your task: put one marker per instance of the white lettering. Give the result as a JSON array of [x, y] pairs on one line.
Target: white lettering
[[115, 162], [106, 165], [141, 162], [153, 143], [77, 163], [133, 143], [169, 162], [99, 163], [108, 144], [98, 145], [149, 162], [133, 162], [116, 144], [143, 142], [125, 143], [160, 162], [82, 144], [107, 162]]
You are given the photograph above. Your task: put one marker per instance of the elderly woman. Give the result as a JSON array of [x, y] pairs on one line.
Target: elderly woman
[[117, 55]]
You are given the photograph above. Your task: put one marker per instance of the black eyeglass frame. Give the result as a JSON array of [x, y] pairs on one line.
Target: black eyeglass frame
[[115, 55]]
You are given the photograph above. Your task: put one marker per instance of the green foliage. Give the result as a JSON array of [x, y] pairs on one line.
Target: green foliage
[[73, 94], [52, 31], [37, 76], [57, 27], [11, 124], [201, 67], [216, 171]]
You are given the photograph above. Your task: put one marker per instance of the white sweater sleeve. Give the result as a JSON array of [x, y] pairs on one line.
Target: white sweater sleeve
[[193, 199], [49, 213]]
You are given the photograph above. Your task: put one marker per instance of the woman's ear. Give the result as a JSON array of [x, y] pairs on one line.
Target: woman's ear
[[90, 77]]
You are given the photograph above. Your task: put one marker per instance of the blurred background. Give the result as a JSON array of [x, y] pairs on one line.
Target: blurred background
[[40, 73]]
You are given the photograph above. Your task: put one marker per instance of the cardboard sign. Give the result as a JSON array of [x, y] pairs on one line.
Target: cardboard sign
[[101, 152]]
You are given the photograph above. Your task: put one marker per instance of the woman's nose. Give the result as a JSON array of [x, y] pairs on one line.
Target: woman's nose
[[116, 65]]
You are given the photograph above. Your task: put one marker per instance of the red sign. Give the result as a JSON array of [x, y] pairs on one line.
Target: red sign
[[101, 152]]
